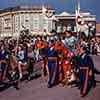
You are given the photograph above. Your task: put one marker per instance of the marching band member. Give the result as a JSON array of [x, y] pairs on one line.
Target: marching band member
[[86, 71], [52, 65]]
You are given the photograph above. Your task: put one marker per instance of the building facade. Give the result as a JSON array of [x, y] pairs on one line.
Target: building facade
[[15, 19], [12, 20], [67, 19]]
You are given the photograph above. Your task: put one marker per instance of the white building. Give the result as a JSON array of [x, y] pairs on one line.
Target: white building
[[66, 19], [31, 17], [12, 19]]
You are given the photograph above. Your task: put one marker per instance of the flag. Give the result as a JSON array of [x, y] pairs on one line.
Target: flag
[[43, 10], [79, 20], [80, 23], [78, 16]]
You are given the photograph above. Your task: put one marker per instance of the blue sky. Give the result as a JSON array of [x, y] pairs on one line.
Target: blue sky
[[59, 5]]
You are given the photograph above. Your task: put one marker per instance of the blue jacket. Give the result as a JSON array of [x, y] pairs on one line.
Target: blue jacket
[[3, 55]]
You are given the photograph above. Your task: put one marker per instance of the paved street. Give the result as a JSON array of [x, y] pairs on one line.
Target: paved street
[[37, 90]]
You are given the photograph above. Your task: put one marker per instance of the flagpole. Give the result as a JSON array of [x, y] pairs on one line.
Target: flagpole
[[77, 13], [78, 2]]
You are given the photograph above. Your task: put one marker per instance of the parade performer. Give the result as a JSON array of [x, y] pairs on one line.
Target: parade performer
[[86, 71], [67, 68], [59, 49], [52, 65], [42, 46], [65, 56], [3, 63]]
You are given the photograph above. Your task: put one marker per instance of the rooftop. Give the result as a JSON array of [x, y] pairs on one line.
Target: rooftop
[[25, 7]]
